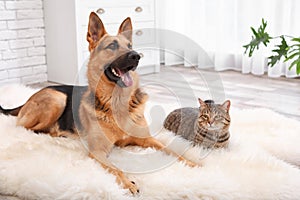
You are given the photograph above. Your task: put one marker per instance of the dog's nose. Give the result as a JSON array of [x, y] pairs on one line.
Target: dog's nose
[[134, 56]]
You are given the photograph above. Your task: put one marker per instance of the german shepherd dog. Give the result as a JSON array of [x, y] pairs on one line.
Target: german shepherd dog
[[108, 112]]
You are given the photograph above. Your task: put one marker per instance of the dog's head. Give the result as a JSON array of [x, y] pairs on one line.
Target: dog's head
[[111, 56]]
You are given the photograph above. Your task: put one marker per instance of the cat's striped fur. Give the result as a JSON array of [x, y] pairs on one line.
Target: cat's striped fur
[[207, 126]]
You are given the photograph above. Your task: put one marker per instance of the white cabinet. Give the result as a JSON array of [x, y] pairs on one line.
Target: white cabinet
[[66, 27]]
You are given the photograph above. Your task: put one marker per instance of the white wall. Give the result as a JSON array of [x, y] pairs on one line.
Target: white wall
[[22, 42], [221, 28]]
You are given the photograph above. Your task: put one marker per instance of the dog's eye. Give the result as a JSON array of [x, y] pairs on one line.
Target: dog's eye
[[113, 46], [129, 46]]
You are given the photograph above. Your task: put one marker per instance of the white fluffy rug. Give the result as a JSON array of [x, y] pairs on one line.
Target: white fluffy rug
[[262, 162]]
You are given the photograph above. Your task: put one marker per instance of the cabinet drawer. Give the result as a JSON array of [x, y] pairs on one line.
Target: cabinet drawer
[[148, 57], [138, 27], [115, 11], [142, 35], [114, 3]]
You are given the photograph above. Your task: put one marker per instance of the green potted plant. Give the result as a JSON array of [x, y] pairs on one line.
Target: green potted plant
[[289, 47]]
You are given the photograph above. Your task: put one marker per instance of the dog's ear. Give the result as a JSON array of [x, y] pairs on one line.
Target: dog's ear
[[126, 29], [95, 30]]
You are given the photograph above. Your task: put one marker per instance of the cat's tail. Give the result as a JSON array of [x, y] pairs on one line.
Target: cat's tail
[[13, 111]]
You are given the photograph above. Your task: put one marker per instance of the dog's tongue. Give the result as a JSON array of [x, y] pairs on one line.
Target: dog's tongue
[[127, 80]]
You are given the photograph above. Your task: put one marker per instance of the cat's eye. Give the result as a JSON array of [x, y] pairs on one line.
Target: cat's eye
[[218, 118], [205, 117], [129, 46]]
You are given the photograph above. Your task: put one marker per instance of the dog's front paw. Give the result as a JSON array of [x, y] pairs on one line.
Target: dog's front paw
[[132, 188], [189, 163], [192, 164]]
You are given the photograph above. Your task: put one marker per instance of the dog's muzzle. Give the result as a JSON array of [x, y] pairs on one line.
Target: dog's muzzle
[[118, 70]]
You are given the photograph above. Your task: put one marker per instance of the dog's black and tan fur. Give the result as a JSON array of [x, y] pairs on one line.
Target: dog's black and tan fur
[[108, 112]]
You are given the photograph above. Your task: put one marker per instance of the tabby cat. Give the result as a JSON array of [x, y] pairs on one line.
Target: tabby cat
[[207, 126]]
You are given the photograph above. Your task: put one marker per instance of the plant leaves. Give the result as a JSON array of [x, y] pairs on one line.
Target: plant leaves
[[296, 63], [253, 31], [293, 63], [295, 45], [260, 36], [292, 56], [296, 39], [292, 50], [282, 50]]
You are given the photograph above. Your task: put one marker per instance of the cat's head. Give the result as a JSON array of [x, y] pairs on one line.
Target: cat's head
[[214, 116]]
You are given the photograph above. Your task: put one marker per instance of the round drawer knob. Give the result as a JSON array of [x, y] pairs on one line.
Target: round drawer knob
[[139, 33], [138, 9], [100, 11], [141, 55]]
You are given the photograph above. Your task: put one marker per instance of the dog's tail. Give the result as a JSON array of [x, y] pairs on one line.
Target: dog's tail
[[13, 111]]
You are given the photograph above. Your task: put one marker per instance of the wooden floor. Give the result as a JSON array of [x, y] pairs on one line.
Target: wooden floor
[[184, 85], [244, 91]]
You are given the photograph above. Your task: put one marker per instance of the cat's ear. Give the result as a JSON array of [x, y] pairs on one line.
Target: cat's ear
[[226, 105], [202, 103]]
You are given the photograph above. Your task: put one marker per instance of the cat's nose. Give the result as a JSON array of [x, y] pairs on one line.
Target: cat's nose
[[211, 122]]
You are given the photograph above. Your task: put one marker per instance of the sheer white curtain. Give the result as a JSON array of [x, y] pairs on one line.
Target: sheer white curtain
[[222, 27]]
